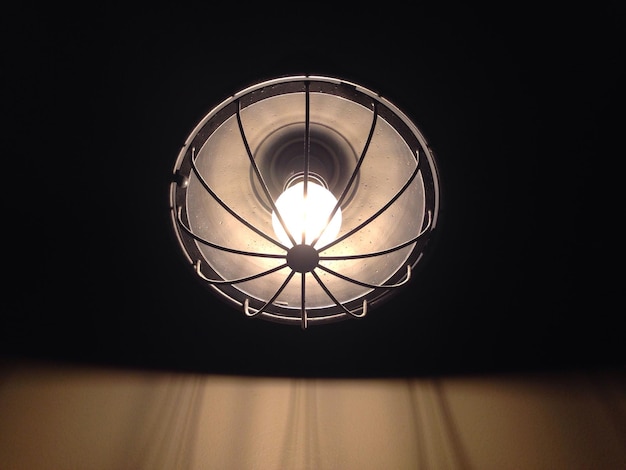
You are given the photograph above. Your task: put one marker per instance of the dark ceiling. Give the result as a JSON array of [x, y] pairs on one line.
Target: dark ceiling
[[524, 112]]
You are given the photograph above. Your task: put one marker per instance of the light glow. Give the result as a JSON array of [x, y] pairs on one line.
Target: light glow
[[308, 214]]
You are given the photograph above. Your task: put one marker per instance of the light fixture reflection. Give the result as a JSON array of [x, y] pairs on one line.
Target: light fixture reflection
[[305, 200]]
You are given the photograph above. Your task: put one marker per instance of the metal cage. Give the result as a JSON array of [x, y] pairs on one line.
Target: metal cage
[[318, 130]]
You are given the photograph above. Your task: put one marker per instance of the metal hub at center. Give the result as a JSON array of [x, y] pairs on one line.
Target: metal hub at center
[[302, 258]]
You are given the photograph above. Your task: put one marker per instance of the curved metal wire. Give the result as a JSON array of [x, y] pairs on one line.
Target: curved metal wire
[[241, 279], [366, 284], [305, 184], [383, 252], [377, 213], [246, 305], [228, 209], [221, 247], [257, 172], [352, 313], [353, 176]]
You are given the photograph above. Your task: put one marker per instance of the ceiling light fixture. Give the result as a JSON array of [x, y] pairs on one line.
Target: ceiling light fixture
[[305, 199]]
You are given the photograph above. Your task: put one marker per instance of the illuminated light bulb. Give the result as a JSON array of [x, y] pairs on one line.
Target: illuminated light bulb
[[309, 215]]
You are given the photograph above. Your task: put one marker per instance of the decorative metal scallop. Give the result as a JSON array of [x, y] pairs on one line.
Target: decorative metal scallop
[[271, 161]]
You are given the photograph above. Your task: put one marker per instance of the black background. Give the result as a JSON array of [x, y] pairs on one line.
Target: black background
[[524, 110]]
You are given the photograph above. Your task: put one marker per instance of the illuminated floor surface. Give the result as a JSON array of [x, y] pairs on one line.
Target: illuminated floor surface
[[59, 416]]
